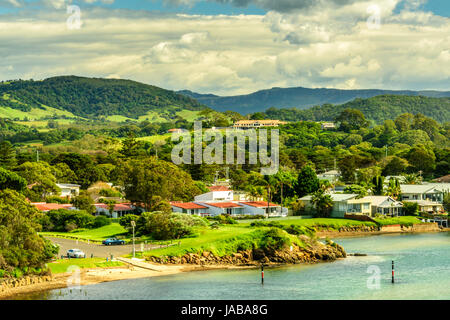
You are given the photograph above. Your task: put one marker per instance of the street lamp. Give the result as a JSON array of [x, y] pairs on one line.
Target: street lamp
[[133, 224]]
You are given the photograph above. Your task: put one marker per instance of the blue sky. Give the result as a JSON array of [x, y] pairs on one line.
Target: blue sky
[[227, 50]]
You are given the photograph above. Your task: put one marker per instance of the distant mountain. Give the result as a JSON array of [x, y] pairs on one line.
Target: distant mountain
[[93, 97], [377, 109], [301, 98]]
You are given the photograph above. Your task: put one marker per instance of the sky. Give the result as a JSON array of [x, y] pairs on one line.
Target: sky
[[231, 47]]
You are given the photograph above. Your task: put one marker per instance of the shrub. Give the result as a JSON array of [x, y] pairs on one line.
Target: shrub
[[66, 220], [224, 219], [410, 209], [101, 221], [275, 239], [125, 221]]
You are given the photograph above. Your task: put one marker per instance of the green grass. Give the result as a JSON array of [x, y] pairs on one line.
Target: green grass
[[213, 240], [119, 118], [405, 221], [155, 138], [33, 114], [100, 234], [189, 115], [321, 223], [62, 266]]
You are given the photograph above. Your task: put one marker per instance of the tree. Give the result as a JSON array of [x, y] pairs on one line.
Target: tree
[[84, 202], [20, 245], [410, 208], [378, 183], [446, 202], [145, 179], [421, 159], [395, 166], [394, 190], [7, 155], [307, 182], [11, 180], [323, 203], [40, 179], [361, 191], [351, 119]]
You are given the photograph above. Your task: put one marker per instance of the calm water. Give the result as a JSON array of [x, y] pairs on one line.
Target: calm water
[[422, 264]]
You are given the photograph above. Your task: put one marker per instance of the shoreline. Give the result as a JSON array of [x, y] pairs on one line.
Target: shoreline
[[135, 271], [100, 275]]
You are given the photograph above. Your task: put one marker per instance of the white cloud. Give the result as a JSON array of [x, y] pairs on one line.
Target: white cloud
[[234, 54]]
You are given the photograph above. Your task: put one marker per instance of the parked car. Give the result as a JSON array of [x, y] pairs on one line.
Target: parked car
[[113, 241], [75, 253]]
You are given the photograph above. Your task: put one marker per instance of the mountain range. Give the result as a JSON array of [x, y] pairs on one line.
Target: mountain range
[[299, 97]]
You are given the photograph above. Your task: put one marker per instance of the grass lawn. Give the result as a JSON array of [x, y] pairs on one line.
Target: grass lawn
[[100, 234], [406, 221], [155, 138], [217, 241], [330, 223], [62, 266]]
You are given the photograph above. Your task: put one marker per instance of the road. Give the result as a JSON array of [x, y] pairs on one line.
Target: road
[[97, 250]]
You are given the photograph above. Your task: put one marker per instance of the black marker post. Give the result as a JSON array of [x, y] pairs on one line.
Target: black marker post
[[262, 274], [393, 280]]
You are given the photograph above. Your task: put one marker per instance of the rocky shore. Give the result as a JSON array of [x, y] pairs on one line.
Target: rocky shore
[[312, 252]]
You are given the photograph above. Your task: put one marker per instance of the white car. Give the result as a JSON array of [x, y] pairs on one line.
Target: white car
[[75, 253]]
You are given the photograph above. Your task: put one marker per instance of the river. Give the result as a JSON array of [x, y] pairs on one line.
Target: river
[[422, 271]]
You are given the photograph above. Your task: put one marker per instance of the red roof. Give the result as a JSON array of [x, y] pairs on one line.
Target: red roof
[[188, 205], [259, 204], [219, 188], [42, 206], [224, 205]]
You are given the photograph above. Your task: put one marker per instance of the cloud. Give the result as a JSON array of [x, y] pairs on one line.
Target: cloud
[[228, 55]]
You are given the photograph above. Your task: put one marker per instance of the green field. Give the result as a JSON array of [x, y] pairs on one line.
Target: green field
[[34, 114], [155, 138], [405, 221], [67, 265], [319, 223], [189, 115], [100, 234]]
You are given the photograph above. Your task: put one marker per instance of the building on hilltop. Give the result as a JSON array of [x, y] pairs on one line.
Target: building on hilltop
[[254, 124]]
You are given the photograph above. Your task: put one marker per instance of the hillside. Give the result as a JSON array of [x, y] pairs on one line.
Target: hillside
[[90, 98], [377, 109], [300, 98]]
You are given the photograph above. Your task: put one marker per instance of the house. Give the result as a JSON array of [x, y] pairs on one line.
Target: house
[[120, 210], [216, 193], [45, 207], [218, 208], [175, 130], [343, 204], [254, 124], [384, 205], [432, 192], [190, 208], [245, 196], [328, 125], [69, 190], [263, 208], [431, 207], [332, 175]]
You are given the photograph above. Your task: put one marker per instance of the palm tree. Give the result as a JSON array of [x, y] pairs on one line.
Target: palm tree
[[323, 203], [394, 188]]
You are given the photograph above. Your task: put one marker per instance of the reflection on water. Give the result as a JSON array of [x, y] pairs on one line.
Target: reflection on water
[[422, 272]]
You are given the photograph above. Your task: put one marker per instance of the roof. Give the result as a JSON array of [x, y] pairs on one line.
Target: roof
[[224, 204], [335, 196], [443, 179], [425, 202], [416, 188], [258, 204], [42, 206], [187, 205], [68, 185], [218, 188], [382, 201]]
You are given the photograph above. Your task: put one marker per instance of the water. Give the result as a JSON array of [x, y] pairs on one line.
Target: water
[[422, 265]]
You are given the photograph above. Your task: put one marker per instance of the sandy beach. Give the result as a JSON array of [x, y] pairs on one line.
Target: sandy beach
[[99, 275]]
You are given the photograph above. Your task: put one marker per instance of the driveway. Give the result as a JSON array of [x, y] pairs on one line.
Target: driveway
[[97, 250]]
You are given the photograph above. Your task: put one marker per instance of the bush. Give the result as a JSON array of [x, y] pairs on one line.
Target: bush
[[275, 239], [64, 220], [224, 219], [410, 208], [166, 226], [125, 221], [101, 221]]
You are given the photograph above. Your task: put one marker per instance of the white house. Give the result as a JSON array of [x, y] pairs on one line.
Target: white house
[[385, 205], [69, 190], [432, 191], [190, 208], [217, 193], [343, 204]]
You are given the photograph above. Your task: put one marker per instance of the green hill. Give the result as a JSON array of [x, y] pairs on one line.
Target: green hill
[[90, 98], [377, 109]]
